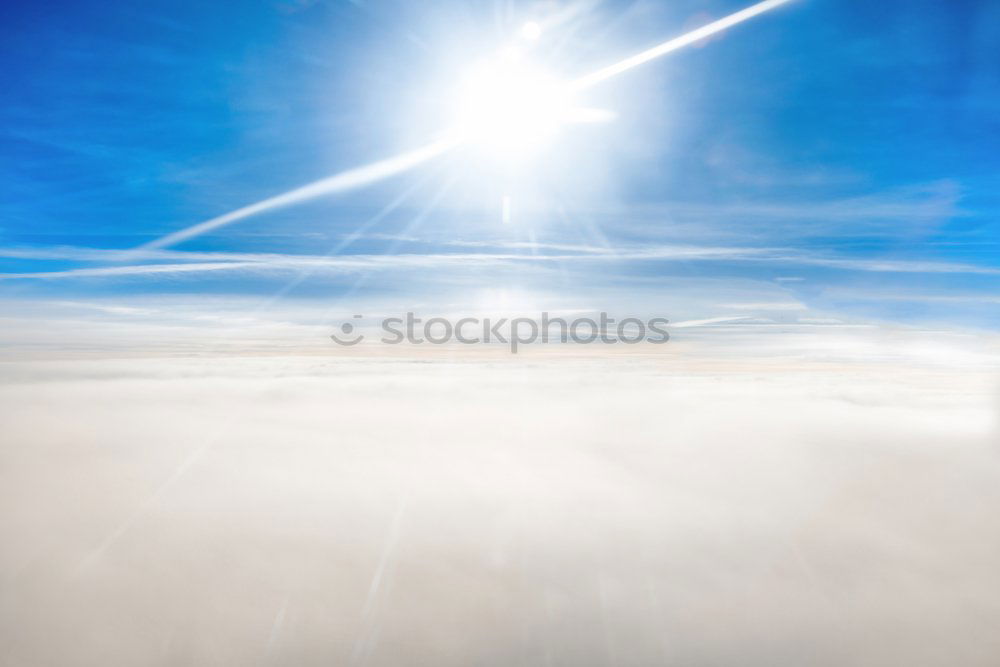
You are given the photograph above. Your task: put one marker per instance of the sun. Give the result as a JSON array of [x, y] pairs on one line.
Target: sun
[[509, 108]]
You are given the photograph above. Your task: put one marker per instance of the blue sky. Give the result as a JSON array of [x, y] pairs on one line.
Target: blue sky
[[830, 161]]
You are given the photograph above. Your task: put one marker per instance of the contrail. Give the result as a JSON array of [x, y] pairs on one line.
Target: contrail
[[675, 43], [361, 176], [345, 180]]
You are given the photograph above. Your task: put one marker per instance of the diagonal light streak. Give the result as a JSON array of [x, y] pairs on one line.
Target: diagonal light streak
[[675, 44], [342, 182]]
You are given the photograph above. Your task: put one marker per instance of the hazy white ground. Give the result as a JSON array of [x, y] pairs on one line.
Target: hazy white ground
[[685, 504]]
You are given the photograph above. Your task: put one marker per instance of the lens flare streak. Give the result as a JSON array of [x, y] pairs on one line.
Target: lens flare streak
[[341, 182], [676, 43]]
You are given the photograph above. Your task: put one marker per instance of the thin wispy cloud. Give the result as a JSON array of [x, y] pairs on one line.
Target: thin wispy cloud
[[141, 269], [770, 305], [221, 261], [897, 212]]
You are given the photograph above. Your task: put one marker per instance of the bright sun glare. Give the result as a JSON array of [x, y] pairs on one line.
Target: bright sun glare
[[507, 106]]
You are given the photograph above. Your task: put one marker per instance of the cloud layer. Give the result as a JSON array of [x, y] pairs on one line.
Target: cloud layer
[[688, 506]]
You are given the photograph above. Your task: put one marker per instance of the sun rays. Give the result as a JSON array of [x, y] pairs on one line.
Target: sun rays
[[507, 107]]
